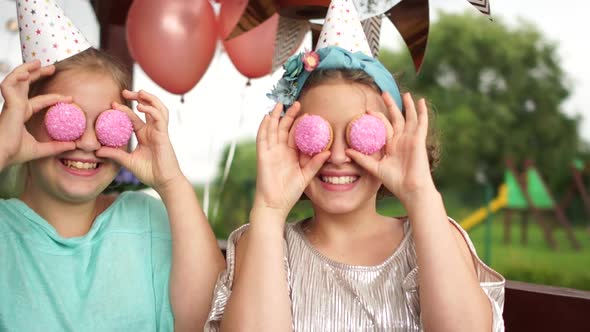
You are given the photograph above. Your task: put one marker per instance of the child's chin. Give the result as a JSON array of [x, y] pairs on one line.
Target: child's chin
[[80, 194], [338, 207]]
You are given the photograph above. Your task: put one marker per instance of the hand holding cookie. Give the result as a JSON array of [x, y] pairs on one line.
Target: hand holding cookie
[[153, 161], [280, 178], [17, 144], [404, 167]]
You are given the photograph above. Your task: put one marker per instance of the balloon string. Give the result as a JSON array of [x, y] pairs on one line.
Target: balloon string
[[179, 116], [207, 190], [232, 150]]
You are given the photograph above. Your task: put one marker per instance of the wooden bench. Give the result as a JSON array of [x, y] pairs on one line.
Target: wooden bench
[[530, 307]]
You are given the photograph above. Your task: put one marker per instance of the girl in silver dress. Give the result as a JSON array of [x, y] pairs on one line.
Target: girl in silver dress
[[348, 268]]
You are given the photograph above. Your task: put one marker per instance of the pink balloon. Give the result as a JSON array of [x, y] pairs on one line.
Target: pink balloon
[[252, 52], [172, 40], [229, 16]]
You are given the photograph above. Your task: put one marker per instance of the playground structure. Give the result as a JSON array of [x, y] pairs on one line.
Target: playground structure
[[579, 169], [529, 194]]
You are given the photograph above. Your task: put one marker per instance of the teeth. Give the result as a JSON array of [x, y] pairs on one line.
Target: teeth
[[339, 179], [79, 164]]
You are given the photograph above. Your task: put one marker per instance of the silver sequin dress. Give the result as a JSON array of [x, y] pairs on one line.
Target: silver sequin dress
[[331, 296]]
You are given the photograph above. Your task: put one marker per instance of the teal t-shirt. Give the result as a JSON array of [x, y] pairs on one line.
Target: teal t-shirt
[[115, 278]]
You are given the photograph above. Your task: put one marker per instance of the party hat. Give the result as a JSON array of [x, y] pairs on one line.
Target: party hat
[[46, 33], [343, 28]]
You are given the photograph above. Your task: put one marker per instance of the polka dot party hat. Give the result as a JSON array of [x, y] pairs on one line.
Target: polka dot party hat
[[342, 28], [46, 33]]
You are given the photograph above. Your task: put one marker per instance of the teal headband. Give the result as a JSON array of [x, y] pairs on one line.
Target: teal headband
[[299, 67]]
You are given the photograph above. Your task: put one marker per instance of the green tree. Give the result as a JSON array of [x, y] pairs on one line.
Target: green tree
[[235, 200], [230, 205], [497, 93]]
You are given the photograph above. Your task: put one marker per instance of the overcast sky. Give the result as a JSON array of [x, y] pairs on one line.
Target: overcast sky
[[210, 116]]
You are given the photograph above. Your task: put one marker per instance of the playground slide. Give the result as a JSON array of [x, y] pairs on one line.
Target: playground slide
[[480, 214]]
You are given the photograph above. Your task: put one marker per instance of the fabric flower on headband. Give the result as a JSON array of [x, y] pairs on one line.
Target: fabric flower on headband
[[285, 92], [310, 60]]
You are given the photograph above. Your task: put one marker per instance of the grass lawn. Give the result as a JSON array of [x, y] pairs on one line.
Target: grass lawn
[[534, 262]]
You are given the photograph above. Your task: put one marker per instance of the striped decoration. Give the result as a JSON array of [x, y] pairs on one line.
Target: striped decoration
[[290, 35], [482, 5], [372, 28]]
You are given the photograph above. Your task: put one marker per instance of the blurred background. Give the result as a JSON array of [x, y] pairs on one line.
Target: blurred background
[[509, 98]]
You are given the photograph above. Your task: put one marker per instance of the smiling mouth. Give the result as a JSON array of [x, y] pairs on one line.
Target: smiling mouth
[[79, 165], [339, 179]]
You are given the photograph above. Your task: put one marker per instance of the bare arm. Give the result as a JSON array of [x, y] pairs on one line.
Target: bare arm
[[260, 296], [260, 299], [451, 298], [196, 258]]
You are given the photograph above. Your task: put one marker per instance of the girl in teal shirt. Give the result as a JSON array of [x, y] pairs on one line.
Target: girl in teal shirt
[[74, 259]]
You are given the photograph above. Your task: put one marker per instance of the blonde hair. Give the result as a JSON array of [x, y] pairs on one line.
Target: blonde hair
[[92, 61], [13, 178]]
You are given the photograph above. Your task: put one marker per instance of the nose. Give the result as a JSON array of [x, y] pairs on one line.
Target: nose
[[88, 141], [338, 148]]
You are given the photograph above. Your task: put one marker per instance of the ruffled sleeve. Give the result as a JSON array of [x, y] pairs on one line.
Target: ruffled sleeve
[[490, 281], [224, 283]]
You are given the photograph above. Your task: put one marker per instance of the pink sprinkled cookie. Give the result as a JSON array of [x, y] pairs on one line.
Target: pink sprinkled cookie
[[113, 128], [65, 122], [313, 135], [366, 134]]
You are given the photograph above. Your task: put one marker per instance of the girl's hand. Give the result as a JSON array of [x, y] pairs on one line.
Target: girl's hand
[[153, 161], [280, 178], [404, 168], [17, 144]]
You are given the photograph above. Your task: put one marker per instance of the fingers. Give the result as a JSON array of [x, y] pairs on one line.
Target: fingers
[[155, 111], [120, 156], [147, 99], [313, 165], [41, 72], [42, 150], [43, 101], [261, 137], [366, 162], [154, 117], [287, 121], [395, 113], [411, 116], [422, 111], [136, 121], [275, 116]]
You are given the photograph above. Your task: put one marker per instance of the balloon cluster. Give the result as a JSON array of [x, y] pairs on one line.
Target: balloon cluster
[[174, 40]]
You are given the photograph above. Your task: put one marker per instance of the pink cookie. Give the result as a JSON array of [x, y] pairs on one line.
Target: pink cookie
[[65, 122], [313, 135], [113, 128], [366, 134]]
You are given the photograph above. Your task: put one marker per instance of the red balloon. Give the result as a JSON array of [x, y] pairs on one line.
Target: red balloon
[[229, 15], [172, 40], [252, 52]]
